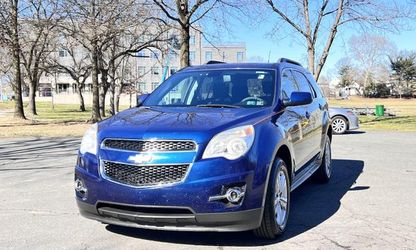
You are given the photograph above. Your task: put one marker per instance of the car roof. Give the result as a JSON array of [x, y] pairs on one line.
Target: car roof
[[221, 65]]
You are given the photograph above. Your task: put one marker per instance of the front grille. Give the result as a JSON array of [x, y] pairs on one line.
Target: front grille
[[149, 146], [144, 175]]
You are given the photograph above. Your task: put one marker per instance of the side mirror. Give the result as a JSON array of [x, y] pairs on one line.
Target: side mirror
[[140, 99], [298, 98]]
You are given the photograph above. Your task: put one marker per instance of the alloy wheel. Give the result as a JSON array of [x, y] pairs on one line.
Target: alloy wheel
[[328, 158], [339, 125], [281, 199]]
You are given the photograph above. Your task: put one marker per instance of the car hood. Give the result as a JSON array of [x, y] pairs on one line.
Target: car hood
[[191, 123]]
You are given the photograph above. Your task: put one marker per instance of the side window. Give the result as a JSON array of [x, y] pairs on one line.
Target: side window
[[288, 84], [315, 86], [304, 85]]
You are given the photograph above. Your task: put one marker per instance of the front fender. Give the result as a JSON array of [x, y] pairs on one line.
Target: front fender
[[271, 137]]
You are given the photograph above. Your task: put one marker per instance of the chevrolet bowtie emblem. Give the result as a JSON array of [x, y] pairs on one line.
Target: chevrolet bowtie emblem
[[140, 158]]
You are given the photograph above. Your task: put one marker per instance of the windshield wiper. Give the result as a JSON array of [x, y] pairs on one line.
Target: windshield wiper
[[217, 106]]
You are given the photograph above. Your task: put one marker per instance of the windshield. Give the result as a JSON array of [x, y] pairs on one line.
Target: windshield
[[216, 88]]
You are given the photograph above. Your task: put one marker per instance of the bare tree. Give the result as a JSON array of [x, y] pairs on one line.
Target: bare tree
[[132, 38], [371, 52], [185, 14], [41, 19], [108, 30], [9, 28], [78, 67], [317, 23], [89, 22], [6, 66]]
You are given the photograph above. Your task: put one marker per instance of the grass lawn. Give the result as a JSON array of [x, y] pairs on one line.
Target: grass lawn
[[65, 119], [61, 121], [405, 109]]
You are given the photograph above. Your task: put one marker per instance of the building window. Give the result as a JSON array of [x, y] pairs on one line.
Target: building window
[[63, 53], [141, 70], [62, 88], [141, 87], [154, 85], [208, 56], [192, 56], [173, 70], [192, 40], [240, 56], [155, 70]]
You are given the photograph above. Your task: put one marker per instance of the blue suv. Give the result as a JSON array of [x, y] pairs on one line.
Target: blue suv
[[217, 147]]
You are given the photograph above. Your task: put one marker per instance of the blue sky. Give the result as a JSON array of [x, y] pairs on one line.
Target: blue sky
[[259, 44]]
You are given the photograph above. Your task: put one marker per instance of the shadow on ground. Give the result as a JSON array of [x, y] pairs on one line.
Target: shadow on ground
[[312, 204], [352, 132]]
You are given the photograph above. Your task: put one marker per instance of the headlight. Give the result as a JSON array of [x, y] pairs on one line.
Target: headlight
[[230, 144], [89, 141]]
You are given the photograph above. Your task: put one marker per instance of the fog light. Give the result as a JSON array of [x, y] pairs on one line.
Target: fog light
[[80, 188], [233, 195]]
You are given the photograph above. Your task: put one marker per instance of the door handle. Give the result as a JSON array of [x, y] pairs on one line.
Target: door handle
[[307, 115], [321, 107]]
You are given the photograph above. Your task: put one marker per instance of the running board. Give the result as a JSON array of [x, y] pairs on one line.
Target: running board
[[306, 172]]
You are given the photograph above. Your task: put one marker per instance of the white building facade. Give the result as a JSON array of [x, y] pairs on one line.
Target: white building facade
[[148, 67]]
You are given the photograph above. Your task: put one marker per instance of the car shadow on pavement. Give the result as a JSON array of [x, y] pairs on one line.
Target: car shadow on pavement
[[352, 132], [312, 204]]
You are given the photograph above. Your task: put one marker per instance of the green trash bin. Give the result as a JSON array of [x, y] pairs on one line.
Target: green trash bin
[[379, 110]]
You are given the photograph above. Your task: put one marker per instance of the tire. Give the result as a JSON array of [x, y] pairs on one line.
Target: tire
[[339, 125], [324, 172], [272, 225]]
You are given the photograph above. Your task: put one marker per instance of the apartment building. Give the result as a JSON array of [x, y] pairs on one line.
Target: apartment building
[[152, 67], [148, 67]]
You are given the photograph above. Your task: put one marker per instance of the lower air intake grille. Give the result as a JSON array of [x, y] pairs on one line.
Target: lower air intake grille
[[144, 175]]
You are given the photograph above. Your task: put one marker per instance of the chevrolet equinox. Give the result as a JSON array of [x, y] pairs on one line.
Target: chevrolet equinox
[[217, 147]]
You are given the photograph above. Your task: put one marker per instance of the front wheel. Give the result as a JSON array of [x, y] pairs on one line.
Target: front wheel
[[277, 206]]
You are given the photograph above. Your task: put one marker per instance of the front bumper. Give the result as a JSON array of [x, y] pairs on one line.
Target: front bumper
[[207, 178], [218, 222]]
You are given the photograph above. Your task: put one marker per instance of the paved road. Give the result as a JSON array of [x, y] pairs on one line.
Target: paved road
[[369, 203]]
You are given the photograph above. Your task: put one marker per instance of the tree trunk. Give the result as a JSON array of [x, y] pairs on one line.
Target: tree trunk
[[95, 113], [81, 97], [17, 85], [184, 52], [112, 88], [118, 91], [32, 97], [103, 90], [311, 58]]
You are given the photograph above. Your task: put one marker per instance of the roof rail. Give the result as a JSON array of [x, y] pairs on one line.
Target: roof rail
[[285, 60], [214, 62]]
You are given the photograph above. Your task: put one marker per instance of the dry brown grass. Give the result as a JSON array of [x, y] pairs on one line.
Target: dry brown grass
[[65, 120], [62, 121], [10, 127], [405, 110], [402, 107]]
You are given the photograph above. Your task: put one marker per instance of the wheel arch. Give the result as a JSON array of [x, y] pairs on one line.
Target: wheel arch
[[283, 152]]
